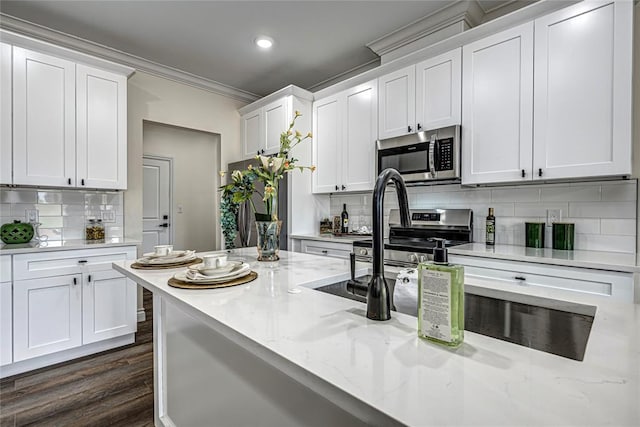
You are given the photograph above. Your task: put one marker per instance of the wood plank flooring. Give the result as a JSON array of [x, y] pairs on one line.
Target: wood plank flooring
[[112, 388]]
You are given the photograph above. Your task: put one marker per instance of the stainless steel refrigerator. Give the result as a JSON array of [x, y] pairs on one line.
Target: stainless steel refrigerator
[[246, 221]]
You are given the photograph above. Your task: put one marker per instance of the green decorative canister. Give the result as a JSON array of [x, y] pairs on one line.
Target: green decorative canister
[[16, 232]]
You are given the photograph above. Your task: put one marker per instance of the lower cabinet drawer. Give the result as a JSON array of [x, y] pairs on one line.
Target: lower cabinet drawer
[[55, 263], [613, 284], [336, 250]]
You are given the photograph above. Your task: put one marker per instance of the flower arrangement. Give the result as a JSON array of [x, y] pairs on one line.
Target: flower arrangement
[[269, 171]]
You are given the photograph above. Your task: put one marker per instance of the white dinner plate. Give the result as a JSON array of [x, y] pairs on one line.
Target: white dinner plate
[[205, 280], [171, 255], [161, 261], [232, 267]]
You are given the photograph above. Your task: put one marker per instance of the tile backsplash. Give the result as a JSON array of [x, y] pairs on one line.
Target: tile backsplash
[[604, 212], [63, 213]]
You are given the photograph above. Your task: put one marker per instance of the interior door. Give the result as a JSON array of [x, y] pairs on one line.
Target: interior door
[[156, 203]]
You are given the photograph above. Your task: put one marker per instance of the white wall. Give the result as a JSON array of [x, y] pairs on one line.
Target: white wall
[[161, 100], [196, 163]]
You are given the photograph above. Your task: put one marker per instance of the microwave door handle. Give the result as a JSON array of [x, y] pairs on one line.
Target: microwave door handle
[[432, 160]]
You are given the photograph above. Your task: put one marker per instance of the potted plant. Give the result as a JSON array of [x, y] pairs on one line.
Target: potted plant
[[269, 171]]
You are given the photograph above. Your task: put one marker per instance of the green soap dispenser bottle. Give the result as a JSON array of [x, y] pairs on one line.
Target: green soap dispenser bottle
[[441, 299]]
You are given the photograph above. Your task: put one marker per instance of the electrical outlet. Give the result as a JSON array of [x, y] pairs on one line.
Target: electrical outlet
[[553, 215], [32, 215], [108, 216]]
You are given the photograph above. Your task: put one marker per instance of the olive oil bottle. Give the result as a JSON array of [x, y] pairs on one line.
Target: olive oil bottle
[[441, 299]]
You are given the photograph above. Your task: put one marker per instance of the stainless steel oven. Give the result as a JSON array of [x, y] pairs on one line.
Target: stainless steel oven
[[423, 156]]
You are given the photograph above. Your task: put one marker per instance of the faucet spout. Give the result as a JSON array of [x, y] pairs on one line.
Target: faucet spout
[[379, 299]]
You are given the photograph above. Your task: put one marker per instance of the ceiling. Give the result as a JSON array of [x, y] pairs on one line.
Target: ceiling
[[314, 40]]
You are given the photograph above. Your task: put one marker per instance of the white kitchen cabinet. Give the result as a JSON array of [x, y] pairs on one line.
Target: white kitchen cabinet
[[397, 103], [583, 89], [44, 108], [344, 129], [610, 284], [421, 97], [330, 249], [69, 123], [6, 312], [438, 91], [6, 114], [47, 315], [497, 104], [108, 306], [68, 299], [101, 121], [261, 128]]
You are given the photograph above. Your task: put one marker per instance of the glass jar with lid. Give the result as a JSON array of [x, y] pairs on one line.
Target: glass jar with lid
[[94, 230]]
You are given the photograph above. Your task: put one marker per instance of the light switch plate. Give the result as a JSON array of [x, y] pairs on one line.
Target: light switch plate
[[108, 216], [553, 215]]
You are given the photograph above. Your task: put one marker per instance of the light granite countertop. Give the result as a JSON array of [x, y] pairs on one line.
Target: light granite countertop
[[63, 245], [614, 261], [330, 237], [387, 367]]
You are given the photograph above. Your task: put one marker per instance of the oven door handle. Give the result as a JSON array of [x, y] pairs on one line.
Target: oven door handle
[[432, 156]]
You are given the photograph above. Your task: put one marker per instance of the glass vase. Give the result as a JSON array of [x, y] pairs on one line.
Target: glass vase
[[268, 240]]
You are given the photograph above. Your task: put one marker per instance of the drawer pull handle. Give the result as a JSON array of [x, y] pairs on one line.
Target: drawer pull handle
[[82, 261], [89, 278], [324, 251], [520, 278], [75, 281]]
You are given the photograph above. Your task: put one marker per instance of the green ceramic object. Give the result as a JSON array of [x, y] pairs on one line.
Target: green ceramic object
[[535, 234], [563, 235], [16, 232]]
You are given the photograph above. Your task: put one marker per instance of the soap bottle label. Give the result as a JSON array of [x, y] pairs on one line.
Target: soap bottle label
[[436, 305]]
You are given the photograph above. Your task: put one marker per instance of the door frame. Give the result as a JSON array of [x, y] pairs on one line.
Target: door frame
[[171, 190]]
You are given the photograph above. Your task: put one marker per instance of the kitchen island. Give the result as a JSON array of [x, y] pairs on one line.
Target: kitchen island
[[276, 352]]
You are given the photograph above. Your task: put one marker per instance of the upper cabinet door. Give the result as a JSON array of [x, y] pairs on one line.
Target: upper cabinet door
[[497, 107], [327, 145], [276, 120], [43, 119], [101, 112], [397, 103], [583, 89], [252, 133], [5, 114], [438, 91], [360, 129]]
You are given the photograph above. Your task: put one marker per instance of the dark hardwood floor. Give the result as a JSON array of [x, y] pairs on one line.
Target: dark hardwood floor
[[112, 388]]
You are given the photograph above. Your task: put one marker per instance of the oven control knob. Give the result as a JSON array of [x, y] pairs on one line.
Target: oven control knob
[[362, 252], [413, 258]]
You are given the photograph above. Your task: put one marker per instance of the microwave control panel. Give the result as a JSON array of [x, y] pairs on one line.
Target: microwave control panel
[[444, 155]]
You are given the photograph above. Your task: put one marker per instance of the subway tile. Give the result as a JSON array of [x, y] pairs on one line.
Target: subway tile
[[73, 222], [51, 221], [70, 197], [539, 209], [5, 209], [118, 208], [621, 227], [591, 193], [53, 234], [49, 210], [471, 196], [602, 210], [95, 199], [112, 231], [73, 233], [114, 199], [585, 225], [600, 242], [619, 192], [73, 210], [520, 194], [19, 210], [18, 196], [49, 197]]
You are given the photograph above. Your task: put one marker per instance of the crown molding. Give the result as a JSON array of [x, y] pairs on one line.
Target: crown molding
[[285, 91], [469, 12], [58, 38]]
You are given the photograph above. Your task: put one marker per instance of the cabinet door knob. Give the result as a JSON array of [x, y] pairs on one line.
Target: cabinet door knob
[[344, 188], [262, 151], [408, 128], [257, 152], [75, 281], [523, 173], [540, 172], [69, 181], [82, 181], [419, 126], [89, 278], [337, 188]]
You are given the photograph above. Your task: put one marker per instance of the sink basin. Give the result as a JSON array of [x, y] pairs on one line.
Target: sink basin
[[547, 325]]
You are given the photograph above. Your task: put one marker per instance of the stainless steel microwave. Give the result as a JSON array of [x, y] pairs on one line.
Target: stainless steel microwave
[[423, 156]]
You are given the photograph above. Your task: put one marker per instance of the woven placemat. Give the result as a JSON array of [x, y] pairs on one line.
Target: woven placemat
[[235, 282], [139, 266]]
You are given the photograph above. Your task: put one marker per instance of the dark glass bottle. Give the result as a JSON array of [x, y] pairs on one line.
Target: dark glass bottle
[[491, 228], [344, 216]]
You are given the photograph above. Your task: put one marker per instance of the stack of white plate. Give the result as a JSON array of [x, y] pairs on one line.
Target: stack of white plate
[[198, 273], [174, 257]]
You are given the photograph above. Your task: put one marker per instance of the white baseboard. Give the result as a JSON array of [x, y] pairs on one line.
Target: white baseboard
[[142, 316]]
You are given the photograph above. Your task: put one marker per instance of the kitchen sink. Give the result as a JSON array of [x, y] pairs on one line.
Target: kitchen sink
[[547, 325]]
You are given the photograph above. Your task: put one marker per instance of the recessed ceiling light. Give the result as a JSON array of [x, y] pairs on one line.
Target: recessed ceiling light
[[264, 42]]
